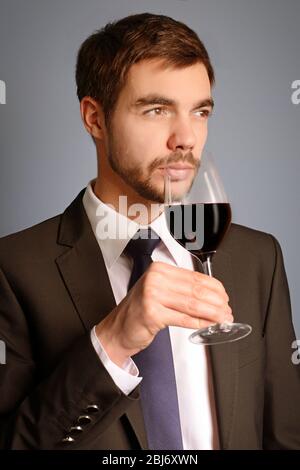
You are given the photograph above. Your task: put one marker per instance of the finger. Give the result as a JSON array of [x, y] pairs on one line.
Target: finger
[[196, 290], [177, 275], [174, 318], [187, 284], [213, 312]]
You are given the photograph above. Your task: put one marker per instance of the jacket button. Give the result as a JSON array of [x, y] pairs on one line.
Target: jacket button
[[92, 408], [75, 429], [68, 439], [84, 419]]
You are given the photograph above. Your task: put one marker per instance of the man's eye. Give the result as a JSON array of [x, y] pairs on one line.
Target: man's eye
[[155, 111], [204, 113]]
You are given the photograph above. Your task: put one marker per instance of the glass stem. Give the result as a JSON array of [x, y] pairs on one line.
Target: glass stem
[[207, 268], [207, 265]]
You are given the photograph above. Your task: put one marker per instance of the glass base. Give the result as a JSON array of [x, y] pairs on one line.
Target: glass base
[[220, 333]]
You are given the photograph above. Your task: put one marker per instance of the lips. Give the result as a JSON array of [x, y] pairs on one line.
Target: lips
[[178, 171]]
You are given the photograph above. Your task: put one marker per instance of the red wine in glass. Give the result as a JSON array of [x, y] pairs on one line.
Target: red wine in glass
[[217, 219]]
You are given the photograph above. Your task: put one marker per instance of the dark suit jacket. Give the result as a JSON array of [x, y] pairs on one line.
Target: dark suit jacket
[[54, 287]]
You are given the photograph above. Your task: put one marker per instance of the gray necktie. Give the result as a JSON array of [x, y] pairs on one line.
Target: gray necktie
[[155, 363]]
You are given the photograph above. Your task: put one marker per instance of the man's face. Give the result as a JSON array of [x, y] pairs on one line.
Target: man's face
[[160, 120]]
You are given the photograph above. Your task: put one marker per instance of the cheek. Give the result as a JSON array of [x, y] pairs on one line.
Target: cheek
[[138, 142], [202, 136], [124, 141], [134, 146]]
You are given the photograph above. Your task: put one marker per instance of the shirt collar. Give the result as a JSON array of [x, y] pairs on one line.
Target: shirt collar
[[113, 230]]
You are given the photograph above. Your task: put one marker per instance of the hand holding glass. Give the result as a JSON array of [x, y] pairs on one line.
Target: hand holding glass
[[198, 216]]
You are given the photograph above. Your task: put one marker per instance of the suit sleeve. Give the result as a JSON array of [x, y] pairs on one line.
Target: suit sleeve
[[282, 385], [37, 413]]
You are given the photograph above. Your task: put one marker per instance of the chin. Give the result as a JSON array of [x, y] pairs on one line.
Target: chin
[[180, 188]]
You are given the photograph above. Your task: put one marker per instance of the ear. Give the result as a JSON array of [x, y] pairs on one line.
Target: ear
[[93, 118]]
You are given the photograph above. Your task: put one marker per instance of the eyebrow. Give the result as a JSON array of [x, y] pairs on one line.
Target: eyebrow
[[155, 99]]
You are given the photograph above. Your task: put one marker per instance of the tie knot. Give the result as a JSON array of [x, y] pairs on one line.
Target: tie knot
[[143, 243]]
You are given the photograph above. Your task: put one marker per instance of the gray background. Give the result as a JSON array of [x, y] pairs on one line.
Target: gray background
[[47, 157]]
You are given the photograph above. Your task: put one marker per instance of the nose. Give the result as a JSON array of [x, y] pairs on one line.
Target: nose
[[182, 135]]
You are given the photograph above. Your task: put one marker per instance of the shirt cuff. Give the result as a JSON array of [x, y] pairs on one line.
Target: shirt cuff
[[125, 377]]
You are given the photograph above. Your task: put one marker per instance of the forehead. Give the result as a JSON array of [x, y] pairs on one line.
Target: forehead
[[153, 76]]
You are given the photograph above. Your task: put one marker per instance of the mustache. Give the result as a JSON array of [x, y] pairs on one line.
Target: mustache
[[174, 158]]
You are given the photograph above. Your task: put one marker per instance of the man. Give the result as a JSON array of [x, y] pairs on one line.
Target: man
[[76, 323]]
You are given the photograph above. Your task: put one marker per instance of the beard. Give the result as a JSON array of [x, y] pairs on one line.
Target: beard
[[140, 178], [135, 178]]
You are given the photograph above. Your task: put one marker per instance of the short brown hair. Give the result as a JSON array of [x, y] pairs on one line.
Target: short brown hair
[[106, 56]]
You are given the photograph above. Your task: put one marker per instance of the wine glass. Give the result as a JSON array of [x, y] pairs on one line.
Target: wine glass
[[198, 216]]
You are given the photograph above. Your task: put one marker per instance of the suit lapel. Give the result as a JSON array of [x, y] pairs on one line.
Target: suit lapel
[[82, 267], [224, 360], [83, 271]]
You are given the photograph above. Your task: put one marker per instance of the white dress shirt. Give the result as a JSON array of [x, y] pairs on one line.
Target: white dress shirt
[[192, 371]]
